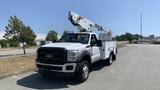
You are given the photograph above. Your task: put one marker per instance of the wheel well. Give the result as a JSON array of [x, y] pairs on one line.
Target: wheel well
[[88, 58], [113, 55]]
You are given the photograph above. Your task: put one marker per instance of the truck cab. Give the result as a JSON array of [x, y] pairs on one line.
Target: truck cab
[[89, 42]]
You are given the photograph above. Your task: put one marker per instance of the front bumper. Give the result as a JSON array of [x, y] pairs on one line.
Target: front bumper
[[66, 68]]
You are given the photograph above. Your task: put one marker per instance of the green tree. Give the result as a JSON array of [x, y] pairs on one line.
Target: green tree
[[28, 36], [64, 33], [52, 36], [118, 38], [17, 32], [128, 37], [13, 42], [137, 36]]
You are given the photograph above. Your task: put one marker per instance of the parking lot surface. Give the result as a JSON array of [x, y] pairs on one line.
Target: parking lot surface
[[137, 68]]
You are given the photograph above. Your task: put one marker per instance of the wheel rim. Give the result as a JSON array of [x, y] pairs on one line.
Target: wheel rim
[[85, 71]]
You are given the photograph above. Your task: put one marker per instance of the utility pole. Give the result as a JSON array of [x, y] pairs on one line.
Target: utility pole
[[141, 25]]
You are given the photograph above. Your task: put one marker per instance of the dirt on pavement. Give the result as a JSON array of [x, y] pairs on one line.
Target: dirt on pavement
[[14, 65]]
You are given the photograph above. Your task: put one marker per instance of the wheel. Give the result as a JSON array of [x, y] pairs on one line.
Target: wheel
[[83, 72], [109, 61], [114, 57]]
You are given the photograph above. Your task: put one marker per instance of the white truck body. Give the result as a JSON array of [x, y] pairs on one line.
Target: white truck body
[[96, 53], [76, 52]]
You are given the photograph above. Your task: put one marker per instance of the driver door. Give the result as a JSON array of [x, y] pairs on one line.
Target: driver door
[[95, 49]]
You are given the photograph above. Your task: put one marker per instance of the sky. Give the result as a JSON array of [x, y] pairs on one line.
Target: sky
[[120, 16]]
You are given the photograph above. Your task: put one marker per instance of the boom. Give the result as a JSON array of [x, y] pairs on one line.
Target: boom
[[84, 24]]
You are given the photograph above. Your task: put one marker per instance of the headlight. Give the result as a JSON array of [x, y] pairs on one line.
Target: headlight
[[72, 55]]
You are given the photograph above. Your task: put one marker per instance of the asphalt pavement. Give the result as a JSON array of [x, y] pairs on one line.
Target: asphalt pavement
[[137, 68]]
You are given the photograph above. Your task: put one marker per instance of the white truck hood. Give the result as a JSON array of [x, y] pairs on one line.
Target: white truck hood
[[68, 46]]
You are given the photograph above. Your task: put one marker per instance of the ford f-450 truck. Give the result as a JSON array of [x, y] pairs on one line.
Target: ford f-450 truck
[[74, 53]]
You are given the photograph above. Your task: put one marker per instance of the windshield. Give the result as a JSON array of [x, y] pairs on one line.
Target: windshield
[[73, 37]]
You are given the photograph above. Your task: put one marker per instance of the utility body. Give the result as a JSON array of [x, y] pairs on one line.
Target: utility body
[[74, 53]]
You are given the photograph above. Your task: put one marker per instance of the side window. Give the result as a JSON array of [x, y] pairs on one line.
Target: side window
[[93, 39]]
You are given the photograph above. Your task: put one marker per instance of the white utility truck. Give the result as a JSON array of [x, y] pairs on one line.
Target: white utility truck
[[74, 53]]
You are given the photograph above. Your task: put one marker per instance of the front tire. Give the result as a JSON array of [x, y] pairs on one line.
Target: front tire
[[83, 72]]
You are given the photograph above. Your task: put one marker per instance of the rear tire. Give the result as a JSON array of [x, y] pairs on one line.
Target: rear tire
[[83, 72], [116, 50], [109, 61], [114, 57]]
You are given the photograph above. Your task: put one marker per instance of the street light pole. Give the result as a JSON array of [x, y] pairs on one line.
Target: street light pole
[[141, 25]]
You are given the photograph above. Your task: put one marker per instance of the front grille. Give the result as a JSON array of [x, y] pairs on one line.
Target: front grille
[[49, 67], [49, 55]]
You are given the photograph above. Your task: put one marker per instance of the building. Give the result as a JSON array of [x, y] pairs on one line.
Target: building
[[40, 39]]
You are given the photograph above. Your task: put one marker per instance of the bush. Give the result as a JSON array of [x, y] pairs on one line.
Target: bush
[[3, 43]]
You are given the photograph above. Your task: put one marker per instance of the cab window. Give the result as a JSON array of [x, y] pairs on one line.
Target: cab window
[[93, 39]]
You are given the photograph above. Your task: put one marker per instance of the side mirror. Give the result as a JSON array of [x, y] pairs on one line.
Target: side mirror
[[92, 44], [99, 42]]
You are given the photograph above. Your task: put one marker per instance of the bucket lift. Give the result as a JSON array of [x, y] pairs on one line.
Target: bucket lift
[[85, 25]]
